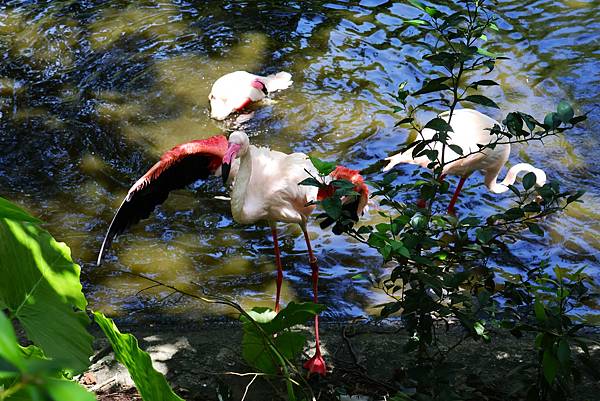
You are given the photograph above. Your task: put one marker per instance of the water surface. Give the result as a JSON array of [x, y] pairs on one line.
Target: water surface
[[92, 92]]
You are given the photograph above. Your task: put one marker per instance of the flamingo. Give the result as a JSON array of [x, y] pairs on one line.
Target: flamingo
[[234, 91], [470, 128], [265, 188]]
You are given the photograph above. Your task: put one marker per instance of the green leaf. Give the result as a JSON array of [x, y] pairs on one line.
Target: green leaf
[[552, 120], [563, 352], [416, 22], [456, 149], [405, 120], [479, 328], [9, 347], [529, 180], [432, 11], [418, 221], [550, 366], [445, 59], [483, 100], [257, 349], [40, 376], [433, 85], [262, 315], [575, 196], [61, 390], [565, 111], [485, 52], [535, 229], [578, 119], [333, 207], [293, 314], [540, 311], [11, 211], [483, 82], [417, 4], [323, 167], [151, 384], [259, 353], [438, 124], [39, 284], [514, 123], [310, 182], [484, 235]]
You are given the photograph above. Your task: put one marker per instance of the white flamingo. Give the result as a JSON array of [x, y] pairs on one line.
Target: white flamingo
[[265, 188], [470, 128], [234, 91]]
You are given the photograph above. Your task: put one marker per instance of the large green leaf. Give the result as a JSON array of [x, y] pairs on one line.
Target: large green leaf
[[258, 352], [11, 211], [39, 285], [9, 347], [30, 375], [151, 384], [261, 348]]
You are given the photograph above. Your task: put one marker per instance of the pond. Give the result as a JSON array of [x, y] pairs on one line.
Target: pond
[[92, 92]]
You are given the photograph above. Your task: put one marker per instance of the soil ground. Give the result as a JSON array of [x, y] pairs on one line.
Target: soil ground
[[202, 361]]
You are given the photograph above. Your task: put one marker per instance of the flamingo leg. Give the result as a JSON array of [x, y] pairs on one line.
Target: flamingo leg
[[278, 264], [456, 193], [316, 364]]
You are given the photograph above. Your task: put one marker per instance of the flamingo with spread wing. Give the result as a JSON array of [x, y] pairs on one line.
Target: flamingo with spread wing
[[265, 188]]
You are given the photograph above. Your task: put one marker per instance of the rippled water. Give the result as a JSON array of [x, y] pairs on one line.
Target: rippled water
[[92, 92]]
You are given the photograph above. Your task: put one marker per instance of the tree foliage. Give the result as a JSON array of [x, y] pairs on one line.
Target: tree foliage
[[441, 273]]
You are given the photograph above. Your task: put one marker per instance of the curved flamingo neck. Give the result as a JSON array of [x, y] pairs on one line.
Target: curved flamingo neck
[[511, 176], [241, 185]]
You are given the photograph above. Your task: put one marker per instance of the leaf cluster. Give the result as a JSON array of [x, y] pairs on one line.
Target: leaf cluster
[[40, 287], [440, 272]]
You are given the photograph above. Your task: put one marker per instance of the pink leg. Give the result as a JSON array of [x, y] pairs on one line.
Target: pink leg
[[456, 193], [278, 263], [316, 364]]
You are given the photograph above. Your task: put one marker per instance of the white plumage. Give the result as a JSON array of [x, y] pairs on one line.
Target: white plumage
[[234, 91], [266, 189], [470, 128]]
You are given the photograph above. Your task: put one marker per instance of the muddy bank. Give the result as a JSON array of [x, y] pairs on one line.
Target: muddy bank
[[202, 361]]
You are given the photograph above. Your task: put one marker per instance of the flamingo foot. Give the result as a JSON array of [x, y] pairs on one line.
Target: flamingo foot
[[316, 364]]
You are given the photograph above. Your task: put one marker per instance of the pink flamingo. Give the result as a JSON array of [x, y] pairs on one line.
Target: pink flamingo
[[234, 91], [470, 128], [265, 188]]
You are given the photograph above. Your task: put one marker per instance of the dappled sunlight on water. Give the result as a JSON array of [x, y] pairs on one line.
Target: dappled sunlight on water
[[92, 94]]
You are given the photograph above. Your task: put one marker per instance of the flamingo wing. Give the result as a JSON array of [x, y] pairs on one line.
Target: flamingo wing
[[176, 169]]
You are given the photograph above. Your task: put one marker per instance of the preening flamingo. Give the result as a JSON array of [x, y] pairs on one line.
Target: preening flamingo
[[234, 91], [265, 188], [470, 128]]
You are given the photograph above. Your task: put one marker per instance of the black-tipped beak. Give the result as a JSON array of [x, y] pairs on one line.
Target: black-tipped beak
[[225, 169]]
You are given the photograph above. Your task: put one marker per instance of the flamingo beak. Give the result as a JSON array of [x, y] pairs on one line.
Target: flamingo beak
[[228, 158]]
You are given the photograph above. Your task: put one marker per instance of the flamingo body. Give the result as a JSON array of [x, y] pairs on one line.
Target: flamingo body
[[234, 91], [471, 128], [264, 188]]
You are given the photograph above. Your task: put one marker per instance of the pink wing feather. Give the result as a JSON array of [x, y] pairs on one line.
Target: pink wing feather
[[176, 169]]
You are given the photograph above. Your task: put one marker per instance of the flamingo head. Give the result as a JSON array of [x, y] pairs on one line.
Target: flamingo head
[[238, 146], [355, 204]]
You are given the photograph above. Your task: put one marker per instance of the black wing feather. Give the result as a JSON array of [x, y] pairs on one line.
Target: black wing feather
[[141, 201]]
